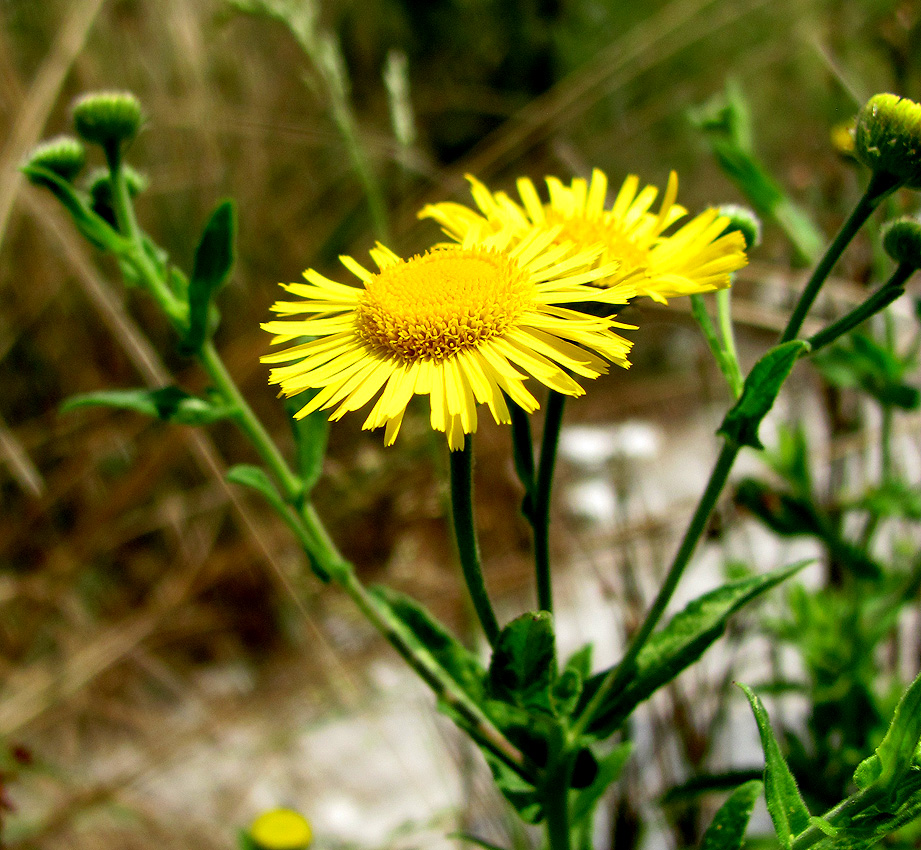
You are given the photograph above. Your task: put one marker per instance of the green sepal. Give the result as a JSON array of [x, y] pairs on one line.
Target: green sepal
[[761, 389], [214, 259], [311, 435], [95, 228], [169, 404], [785, 805], [727, 829], [678, 645], [899, 748], [523, 668], [464, 668]]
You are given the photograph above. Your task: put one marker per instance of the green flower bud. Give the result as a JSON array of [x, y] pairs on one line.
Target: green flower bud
[[107, 117], [64, 155], [902, 241], [888, 137], [745, 221], [281, 829]]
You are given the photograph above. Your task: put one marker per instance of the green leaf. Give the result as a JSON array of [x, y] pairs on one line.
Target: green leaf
[[523, 667], [709, 783], [256, 478], [761, 389], [170, 404], [214, 260], [311, 434], [727, 829], [95, 228], [785, 805], [678, 645], [453, 657], [895, 755]]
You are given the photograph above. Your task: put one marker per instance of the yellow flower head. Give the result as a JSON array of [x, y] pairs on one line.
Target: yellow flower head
[[464, 325], [697, 257], [281, 829]]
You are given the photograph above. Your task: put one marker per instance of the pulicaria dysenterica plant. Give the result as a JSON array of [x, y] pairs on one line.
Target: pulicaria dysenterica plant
[[515, 312]]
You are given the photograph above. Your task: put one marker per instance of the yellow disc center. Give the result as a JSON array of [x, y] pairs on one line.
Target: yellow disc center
[[442, 302], [620, 245]]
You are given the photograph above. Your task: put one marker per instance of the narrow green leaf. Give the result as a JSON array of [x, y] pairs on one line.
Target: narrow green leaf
[[453, 657], [311, 434], [214, 260], [727, 829], [895, 754], [761, 389], [678, 645], [785, 805], [169, 404], [95, 228], [523, 667], [256, 478]]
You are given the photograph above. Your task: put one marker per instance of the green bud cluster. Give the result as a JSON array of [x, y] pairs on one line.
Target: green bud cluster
[[63, 155], [902, 241], [107, 118], [887, 138], [745, 221]]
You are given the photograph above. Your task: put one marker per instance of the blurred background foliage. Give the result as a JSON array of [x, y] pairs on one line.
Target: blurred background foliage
[[124, 558]]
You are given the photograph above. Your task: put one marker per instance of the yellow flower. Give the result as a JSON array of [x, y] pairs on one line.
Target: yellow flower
[[281, 829], [697, 257], [464, 325]]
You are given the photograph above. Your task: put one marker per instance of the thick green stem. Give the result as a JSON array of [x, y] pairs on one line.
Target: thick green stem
[[556, 810], [881, 185], [619, 675], [465, 534], [553, 421]]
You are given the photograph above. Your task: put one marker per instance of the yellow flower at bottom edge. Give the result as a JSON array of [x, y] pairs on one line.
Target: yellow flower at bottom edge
[[697, 257], [461, 324], [281, 829]]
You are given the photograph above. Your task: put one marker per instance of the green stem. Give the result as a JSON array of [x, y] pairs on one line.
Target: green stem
[[881, 185], [465, 533], [291, 486], [724, 318], [556, 809], [879, 300], [842, 815], [553, 421], [523, 454], [128, 226], [618, 676], [728, 365]]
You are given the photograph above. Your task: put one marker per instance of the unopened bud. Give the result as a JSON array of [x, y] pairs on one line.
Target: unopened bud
[[887, 138], [107, 117], [64, 155], [902, 241], [745, 221], [281, 829]]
